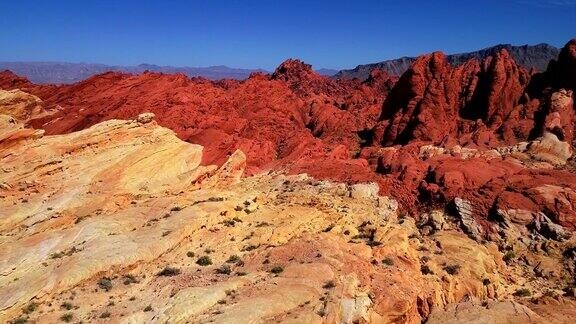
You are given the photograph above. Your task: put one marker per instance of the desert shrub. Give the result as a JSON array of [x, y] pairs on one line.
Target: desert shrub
[[66, 305], [169, 271], [19, 320], [388, 261], [148, 308], [277, 270], [425, 269], [452, 269], [190, 254], [233, 259], [31, 307], [509, 256], [67, 317], [105, 315], [225, 269], [129, 279], [522, 292], [204, 261], [229, 222], [329, 285], [105, 283], [56, 255]]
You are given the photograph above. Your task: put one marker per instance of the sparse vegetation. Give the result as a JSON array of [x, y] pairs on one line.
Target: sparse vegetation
[[204, 261], [225, 269], [67, 317], [148, 308], [276, 270], [229, 222], [19, 320], [56, 255], [329, 285], [30, 308], [250, 248], [233, 259], [241, 273], [329, 228], [388, 261], [509, 256], [130, 279], [190, 254], [522, 292], [105, 315], [372, 243], [105, 283], [66, 306], [169, 271], [452, 269], [425, 269], [176, 208]]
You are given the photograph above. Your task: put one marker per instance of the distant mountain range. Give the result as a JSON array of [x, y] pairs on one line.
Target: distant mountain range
[[536, 56], [62, 72], [530, 56]]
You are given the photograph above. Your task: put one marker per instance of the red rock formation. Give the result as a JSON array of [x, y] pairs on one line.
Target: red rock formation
[[299, 121], [294, 114], [435, 102]]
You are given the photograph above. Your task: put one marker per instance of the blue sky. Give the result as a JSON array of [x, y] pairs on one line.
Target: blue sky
[[247, 33]]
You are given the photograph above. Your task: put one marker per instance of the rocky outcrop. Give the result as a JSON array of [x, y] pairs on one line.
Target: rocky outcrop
[[435, 102], [536, 56], [20, 105]]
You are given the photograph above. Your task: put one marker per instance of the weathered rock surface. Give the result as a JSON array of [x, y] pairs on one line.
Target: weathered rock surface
[[20, 105], [121, 222]]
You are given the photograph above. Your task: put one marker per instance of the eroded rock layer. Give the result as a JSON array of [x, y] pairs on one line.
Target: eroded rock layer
[[121, 222]]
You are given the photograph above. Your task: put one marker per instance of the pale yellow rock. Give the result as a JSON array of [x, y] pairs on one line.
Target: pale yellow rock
[[19, 104]]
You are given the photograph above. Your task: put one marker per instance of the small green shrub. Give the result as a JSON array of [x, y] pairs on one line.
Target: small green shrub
[[105, 283], [31, 307], [67, 317], [329, 285], [129, 279], [388, 261], [522, 292], [452, 269], [225, 269], [169, 271], [277, 270], [204, 261], [509, 256], [425, 269], [19, 320], [233, 259], [66, 306]]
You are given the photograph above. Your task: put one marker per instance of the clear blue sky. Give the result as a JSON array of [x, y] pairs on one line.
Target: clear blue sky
[[246, 33]]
